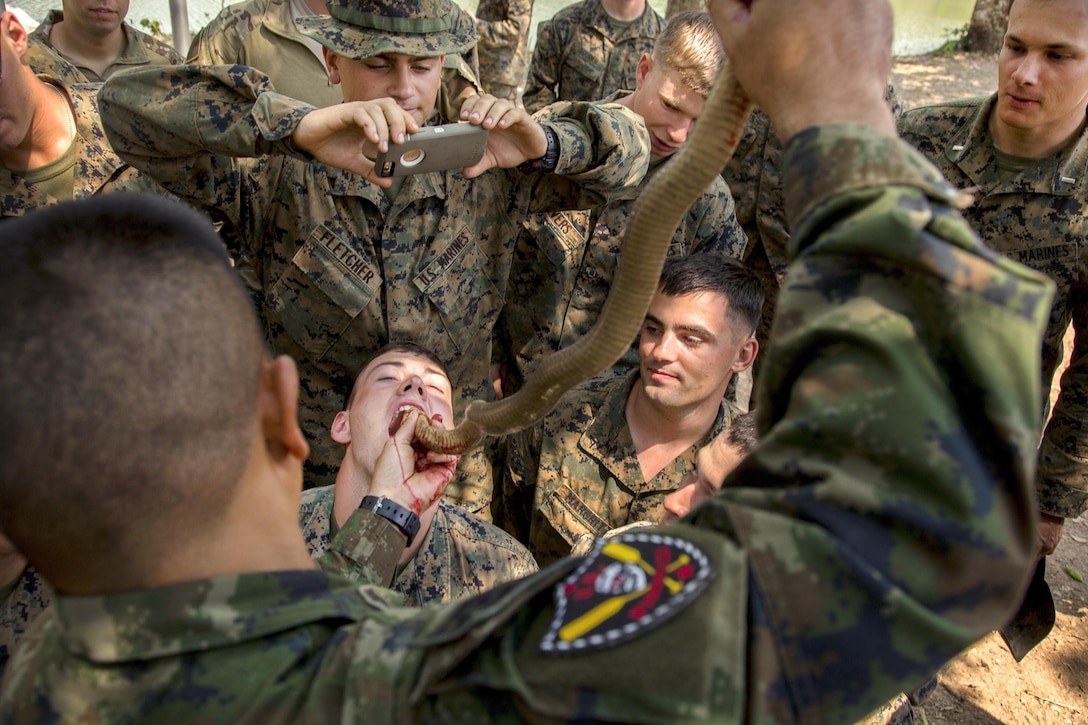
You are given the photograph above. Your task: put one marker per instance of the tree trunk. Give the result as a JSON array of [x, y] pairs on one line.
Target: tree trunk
[[678, 6], [986, 32]]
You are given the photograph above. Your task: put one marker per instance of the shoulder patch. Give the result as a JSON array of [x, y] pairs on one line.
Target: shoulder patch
[[628, 584]]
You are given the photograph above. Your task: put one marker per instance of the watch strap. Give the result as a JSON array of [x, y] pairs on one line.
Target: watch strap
[[550, 159], [391, 511]]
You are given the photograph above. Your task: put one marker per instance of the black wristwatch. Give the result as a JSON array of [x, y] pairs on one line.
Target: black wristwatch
[[402, 518], [545, 164]]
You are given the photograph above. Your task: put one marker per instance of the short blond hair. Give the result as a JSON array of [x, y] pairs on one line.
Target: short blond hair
[[690, 46]]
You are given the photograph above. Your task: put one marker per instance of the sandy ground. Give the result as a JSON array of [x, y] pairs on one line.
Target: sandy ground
[[984, 685]]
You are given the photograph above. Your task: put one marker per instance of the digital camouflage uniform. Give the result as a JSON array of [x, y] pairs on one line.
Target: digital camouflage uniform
[[343, 269], [262, 34], [1038, 218], [28, 598], [883, 522], [462, 554], [576, 472], [98, 169], [503, 45], [564, 263], [140, 49], [756, 179], [899, 413], [581, 56]]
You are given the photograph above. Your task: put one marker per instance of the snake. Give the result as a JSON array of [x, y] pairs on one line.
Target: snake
[[658, 212]]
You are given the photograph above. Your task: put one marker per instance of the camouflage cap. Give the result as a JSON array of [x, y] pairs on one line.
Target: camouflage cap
[[420, 28]]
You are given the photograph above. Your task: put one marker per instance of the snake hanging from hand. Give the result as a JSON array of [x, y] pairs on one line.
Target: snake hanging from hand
[[660, 209]]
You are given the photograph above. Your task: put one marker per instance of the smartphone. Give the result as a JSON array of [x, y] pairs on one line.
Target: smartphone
[[434, 148]]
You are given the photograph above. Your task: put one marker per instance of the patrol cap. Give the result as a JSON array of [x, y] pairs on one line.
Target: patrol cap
[[420, 28]]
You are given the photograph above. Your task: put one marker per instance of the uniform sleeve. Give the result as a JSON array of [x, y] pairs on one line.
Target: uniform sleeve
[[216, 43], [884, 521], [366, 550], [543, 81], [501, 23], [195, 138], [1062, 484], [604, 152]]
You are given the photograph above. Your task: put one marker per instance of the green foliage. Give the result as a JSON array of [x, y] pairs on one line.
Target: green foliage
[[954, 40], [153, 26]]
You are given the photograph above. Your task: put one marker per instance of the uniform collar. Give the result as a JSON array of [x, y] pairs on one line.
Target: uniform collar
[[641, 27], [134, 52], [607, 438], [971, 149]]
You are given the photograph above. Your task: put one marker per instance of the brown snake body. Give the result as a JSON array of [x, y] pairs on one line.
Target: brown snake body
[[659, 210]]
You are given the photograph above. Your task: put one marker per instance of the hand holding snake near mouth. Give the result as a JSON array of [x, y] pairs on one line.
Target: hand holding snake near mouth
[[660, 209]]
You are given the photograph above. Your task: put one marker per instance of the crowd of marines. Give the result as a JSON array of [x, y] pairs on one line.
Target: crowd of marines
[[908, 472]]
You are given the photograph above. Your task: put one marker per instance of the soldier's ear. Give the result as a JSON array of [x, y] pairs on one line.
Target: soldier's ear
[[11, 27], [746, 355], [341, 429], [645, 65], [277, 403], [332, 62]]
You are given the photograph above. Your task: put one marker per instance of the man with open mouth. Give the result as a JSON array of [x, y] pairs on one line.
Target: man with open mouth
[[449, 552]]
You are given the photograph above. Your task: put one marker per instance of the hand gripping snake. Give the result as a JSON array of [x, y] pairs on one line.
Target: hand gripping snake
[[660, 208]]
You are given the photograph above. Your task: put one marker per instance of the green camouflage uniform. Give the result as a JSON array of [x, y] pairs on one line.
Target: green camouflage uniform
[[576, 472], [462, 554], [1038, 218], [581, 56], [262, 34], [503, 45], [756, 179], [883, 522], [343, 269], [559, 280], [98, 169], [28, 597], [140, 49]]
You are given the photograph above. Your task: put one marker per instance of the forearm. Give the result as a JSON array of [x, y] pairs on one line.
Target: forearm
[[603, 148], [208, 111], [898, 412], [365, 550]]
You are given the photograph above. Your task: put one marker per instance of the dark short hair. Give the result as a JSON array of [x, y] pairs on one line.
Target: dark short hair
[[715, 272], [406, 346], [131, 363], [742, 433]]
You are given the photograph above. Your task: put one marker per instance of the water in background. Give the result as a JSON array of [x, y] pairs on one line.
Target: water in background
[[920, 25]]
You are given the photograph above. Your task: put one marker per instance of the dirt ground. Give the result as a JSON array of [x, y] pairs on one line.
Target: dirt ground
[[984, 685]]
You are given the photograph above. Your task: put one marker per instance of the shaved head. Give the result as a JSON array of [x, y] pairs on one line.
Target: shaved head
[[131, 363]]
